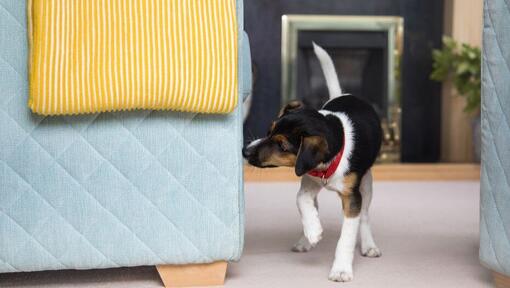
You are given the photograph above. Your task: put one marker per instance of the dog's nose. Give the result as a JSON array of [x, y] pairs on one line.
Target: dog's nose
[[249, 149], [246, 152]]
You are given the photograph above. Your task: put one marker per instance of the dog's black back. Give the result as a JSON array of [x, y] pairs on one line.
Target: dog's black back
[[367, 130]]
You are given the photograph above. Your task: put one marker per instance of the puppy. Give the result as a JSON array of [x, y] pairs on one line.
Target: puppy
[[333, 148]]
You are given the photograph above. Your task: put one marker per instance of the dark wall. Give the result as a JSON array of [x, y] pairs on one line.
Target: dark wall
[[420, 96]]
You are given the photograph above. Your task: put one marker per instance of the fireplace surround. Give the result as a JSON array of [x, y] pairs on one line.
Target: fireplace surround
[[366, 51]]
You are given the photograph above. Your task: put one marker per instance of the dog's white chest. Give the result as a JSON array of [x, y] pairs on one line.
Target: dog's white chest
[[332, 184]]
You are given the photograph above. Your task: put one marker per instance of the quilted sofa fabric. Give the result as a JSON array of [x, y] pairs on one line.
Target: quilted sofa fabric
[[112, 189], [495, 178]]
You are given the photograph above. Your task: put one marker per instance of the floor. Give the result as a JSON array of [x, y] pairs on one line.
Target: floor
[[427, 231]]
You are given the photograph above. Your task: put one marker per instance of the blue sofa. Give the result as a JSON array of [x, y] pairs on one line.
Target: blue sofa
[[114, 189], [495, 178]]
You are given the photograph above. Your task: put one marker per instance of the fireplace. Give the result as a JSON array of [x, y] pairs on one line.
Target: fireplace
[[420, 98], [366, 52], [360, 63]]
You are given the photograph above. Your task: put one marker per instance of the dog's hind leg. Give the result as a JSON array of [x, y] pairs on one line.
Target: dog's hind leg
[[308, 208], [344, 254], [368, 247]]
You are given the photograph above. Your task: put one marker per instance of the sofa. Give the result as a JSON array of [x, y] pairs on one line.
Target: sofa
[[115, 189], [495, 176]]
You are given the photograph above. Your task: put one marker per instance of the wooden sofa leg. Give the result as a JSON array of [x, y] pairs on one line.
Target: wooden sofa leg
[[212, 274], [501, 280]]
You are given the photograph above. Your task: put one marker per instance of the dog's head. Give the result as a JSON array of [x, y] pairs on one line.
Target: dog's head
[[301, 137]]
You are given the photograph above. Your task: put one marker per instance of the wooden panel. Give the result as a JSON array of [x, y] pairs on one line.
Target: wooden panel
[[383, 172], [463, 22], [193, 275], [456, 129], [467, 21]]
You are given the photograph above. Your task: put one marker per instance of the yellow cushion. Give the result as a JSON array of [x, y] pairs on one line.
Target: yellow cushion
[[92, 56]]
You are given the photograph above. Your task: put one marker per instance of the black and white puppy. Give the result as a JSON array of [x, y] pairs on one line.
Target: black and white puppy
[[333, 148]]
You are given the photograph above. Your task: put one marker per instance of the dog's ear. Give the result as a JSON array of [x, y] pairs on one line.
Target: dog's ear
[[312, 151], [291, 106]]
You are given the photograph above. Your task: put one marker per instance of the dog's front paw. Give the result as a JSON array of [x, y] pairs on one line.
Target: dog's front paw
[[302, 245], [339, 275], [372, 252], [313, 234]]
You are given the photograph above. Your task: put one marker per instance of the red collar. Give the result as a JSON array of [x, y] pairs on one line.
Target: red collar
[[325, 174]]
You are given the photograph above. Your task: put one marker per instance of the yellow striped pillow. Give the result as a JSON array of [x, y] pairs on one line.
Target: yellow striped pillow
[[91, 56]]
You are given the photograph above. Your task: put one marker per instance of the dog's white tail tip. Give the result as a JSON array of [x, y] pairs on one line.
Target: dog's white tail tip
[[315, 46], [328, 68]]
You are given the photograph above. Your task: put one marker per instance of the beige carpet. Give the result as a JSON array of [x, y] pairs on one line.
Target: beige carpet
[[428, 234]]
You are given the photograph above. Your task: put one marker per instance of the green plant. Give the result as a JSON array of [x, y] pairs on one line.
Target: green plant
[[462, 64]]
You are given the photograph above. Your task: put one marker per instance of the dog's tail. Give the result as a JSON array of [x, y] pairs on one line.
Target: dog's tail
[[329, 71]]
